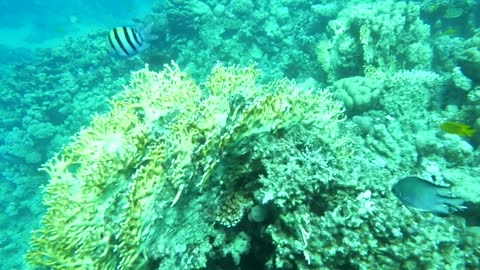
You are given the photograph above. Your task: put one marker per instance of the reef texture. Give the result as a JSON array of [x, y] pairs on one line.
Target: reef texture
[[230, 174], [358, 94], [164, 138], [44, 102], [371, 37], [235, 174]]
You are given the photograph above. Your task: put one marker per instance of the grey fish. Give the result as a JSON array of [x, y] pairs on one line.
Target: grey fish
[[426, 196]]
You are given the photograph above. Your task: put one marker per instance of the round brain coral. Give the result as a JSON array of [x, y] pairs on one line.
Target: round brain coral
[[358, 94]]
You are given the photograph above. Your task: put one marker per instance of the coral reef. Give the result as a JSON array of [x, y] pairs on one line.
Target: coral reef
[[358, 94], [441, 13], [229, 174], [242, 171], [409, 92], [465, 181], [382, 36], [45, 100], [348, 221], [470, 58], [164, 137], [277, 35]]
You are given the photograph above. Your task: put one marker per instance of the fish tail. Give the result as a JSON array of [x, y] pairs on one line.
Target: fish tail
[[469, 132], [455, 203]]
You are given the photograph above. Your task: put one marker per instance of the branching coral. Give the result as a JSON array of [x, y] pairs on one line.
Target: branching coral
[[164, 136]]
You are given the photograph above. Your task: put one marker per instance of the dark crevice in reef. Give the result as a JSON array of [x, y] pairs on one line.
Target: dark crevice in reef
[[261, 246]]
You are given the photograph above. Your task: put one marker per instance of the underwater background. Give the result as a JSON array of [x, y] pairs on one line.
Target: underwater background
[[272, 140]]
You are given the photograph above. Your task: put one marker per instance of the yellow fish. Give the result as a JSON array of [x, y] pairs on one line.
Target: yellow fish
[[450, 32], [458, 129]]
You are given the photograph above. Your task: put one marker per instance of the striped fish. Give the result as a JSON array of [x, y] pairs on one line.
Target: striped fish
[[129, 41]]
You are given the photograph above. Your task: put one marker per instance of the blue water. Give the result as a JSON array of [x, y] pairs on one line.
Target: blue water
[[35, 24], [401, 69], [25, 27]]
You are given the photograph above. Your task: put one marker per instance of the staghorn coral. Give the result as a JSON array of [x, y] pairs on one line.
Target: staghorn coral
[[164, 137]]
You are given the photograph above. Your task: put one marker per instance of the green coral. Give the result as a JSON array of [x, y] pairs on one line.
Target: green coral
[[164, 136]]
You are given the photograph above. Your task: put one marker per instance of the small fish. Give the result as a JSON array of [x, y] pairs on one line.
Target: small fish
[[450, 32], [426, 196], [128, 41], [458, 129]]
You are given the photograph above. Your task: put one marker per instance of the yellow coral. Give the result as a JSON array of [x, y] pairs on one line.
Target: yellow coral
[[323, 56], [160, 137]]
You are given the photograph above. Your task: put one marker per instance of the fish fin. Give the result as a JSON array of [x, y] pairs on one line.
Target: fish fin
[[144, 47], [444, 191], [147, 32], [137, 21], [441, 209]]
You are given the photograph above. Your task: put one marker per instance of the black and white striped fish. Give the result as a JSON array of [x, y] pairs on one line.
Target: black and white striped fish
[[128, 41]]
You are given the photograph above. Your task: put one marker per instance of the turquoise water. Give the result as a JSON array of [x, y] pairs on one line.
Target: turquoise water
[[230, 168]]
